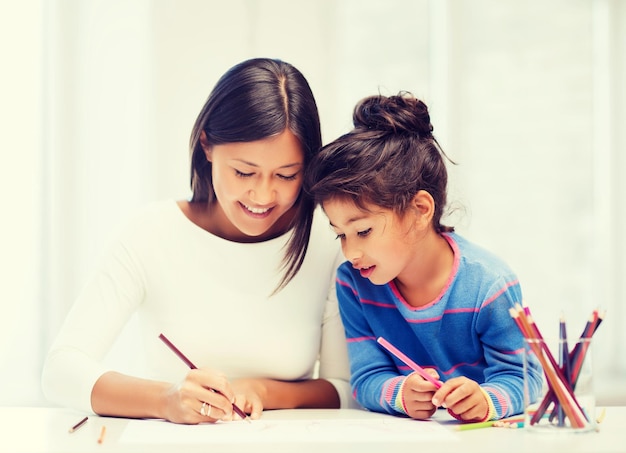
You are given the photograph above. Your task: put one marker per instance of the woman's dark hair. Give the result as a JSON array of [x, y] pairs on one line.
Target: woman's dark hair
[[388, 157], [253, 100]]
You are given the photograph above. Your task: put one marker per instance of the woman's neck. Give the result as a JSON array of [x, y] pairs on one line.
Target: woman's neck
[[210, 217]]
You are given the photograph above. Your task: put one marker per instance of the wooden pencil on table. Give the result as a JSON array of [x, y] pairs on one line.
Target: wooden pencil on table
[[103, 431], [78, 425]]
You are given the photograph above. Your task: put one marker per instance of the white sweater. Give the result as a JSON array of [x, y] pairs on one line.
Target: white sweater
[[210, 297]]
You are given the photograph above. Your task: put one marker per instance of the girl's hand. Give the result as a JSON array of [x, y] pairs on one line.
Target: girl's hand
[[203, 396], [463, 398], [417, 394]]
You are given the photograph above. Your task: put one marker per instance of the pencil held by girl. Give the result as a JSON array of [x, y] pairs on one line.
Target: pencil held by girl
[[439, 298]]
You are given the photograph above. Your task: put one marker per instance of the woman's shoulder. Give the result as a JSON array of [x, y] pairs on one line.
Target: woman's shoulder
[[150, 218]]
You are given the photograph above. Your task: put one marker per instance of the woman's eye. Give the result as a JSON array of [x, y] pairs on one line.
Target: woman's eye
[[288, 177], [364, 232], [341, 236], [242, 174]]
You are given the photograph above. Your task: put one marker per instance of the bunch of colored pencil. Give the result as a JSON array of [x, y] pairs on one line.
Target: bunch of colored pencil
[[562, 376]]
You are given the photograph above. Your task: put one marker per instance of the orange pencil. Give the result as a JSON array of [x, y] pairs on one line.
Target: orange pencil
[[103, 431]]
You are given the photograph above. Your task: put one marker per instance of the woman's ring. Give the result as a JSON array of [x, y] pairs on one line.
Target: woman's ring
[[204, 410]]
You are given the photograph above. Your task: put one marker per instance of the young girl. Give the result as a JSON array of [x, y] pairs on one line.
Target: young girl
[[440, 299], [240, 278]]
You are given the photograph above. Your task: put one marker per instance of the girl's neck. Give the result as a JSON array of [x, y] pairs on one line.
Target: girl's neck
[[423, 282]]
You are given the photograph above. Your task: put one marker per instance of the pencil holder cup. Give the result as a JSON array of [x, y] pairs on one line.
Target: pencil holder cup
[[566, 400]]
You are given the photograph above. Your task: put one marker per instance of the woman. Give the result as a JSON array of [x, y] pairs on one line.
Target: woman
[[239, 278]]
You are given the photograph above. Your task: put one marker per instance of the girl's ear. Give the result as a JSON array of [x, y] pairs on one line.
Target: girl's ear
[[424, 204], [204, 142]]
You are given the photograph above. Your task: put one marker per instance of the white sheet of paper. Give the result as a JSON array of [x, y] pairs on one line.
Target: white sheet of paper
[[388, 430]]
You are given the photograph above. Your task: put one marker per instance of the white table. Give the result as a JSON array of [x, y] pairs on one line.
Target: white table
[[45, 430]]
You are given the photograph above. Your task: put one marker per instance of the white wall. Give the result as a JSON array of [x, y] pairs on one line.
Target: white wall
[[525, 96]]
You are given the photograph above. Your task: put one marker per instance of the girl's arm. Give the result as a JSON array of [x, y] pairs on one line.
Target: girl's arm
[[375, 380], [334, 364], [503, 347]]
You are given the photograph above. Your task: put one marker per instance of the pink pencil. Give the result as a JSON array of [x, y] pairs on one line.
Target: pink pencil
[[414, 366]]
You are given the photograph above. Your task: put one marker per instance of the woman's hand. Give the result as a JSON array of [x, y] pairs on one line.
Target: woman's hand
[[249, 396], [463, 398], [417, 394], [203, 396]]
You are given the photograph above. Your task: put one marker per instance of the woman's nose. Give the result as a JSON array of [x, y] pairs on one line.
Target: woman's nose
[[263, 193]]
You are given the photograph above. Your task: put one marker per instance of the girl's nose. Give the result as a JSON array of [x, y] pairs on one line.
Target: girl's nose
[[351, 252]]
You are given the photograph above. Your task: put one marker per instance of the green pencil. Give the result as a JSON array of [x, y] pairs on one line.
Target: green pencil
[[511, 422], [468, 426]]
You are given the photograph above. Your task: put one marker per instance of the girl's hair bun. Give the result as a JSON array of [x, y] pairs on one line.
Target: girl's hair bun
[[399, 114]]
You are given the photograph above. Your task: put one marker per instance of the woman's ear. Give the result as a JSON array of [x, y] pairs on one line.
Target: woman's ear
[[206, 147], [424, 204]]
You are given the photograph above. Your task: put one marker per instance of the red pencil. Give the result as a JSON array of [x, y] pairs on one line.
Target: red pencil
[[557, 383], [190, 364]]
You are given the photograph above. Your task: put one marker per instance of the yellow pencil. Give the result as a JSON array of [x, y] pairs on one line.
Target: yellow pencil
[[600, 417]]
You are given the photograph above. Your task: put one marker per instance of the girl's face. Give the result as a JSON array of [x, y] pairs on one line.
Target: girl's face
[[380, 243], [256, 183]]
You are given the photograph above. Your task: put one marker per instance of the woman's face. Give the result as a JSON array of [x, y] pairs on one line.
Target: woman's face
[[256, 183]]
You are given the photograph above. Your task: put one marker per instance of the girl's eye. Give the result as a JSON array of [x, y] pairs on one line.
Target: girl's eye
[[341, 236], [288, 177], [364, 232], [242, 174]]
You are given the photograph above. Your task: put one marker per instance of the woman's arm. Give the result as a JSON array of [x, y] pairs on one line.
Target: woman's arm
[[75, 360], [117, 394], [275, 394], [120, 395]]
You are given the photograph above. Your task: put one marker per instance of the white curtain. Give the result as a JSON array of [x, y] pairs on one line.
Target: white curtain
[[98, 100]]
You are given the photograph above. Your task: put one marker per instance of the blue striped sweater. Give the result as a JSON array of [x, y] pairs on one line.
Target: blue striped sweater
[[467, 331]]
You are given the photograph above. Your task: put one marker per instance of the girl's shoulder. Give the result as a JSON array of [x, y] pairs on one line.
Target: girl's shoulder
[[475, 255]]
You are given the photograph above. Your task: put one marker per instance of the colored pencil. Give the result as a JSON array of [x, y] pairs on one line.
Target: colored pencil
[[554, 375], [103, 431], [190, 364], [510, 422], [600, 417], [414, 366], [78, 425], [563, 363], [576, 358], [470, 426]]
